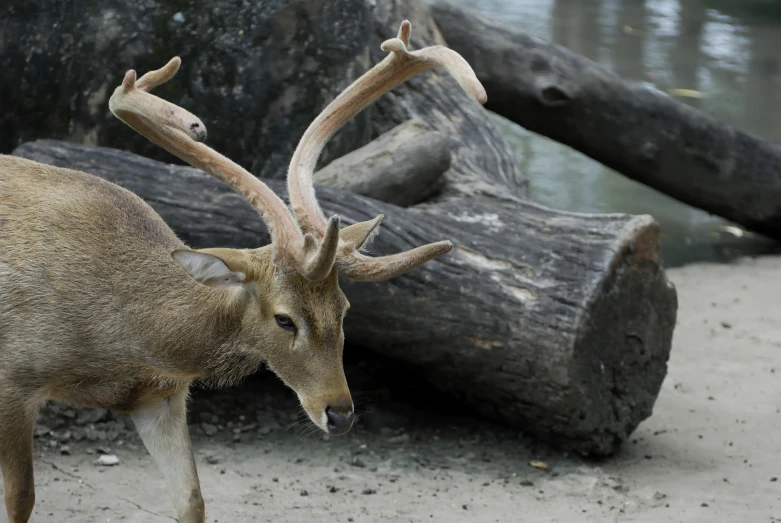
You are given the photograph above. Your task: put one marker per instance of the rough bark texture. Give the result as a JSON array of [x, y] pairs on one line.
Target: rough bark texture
[[634, 129], [555, 322], [403, 166], [255, 71]]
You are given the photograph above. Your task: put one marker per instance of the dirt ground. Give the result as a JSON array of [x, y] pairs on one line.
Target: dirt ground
[[711, 451]]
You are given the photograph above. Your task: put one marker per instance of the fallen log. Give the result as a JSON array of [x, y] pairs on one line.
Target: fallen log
[[403, 166], [555, 322], [629, 127]]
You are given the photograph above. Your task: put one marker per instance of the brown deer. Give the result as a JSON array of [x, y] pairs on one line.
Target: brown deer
[[102, 305]]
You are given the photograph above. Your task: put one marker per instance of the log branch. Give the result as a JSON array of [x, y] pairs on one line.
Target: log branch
[[403, 166]]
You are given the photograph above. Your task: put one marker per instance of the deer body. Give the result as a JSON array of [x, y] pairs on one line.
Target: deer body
[[95, 311], [101, 305]]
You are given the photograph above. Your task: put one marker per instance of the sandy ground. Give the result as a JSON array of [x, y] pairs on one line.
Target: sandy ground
[[711, 451]]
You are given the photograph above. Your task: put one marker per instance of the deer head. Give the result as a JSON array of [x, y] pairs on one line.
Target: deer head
[[296, 308]]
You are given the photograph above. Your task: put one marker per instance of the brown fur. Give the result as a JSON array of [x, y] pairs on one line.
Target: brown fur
[[95, 312]]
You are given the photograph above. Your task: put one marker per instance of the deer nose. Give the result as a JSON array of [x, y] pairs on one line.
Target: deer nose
[[340, 421]]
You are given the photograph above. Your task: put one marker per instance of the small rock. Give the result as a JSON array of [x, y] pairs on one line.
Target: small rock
[[65, 450], [209, 429], [368, 491], [41, 430], [104, 450], [773, 479], [304, 493], [332, 489], [212, 459], [705, 505], [107, 460], [92, 416], [178, 17], [90, 451], [357, 462], [402, 438], [726, 325], [66, 436]]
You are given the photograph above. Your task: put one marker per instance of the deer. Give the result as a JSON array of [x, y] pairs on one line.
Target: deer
[[102, 305]]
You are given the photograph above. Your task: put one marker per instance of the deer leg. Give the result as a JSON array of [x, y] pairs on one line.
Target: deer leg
[[163, 428], [17, 420]]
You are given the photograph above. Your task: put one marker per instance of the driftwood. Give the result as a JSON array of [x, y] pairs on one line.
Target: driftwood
[[403, 166], [555, 322], [630, 127]]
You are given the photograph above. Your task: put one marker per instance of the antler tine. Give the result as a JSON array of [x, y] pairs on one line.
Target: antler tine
[[359, 267], [399, 66], [180, 132]]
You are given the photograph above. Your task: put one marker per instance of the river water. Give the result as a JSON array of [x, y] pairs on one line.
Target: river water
[[721, 56]]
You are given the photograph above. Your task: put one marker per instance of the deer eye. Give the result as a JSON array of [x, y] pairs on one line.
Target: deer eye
[[285, 322]]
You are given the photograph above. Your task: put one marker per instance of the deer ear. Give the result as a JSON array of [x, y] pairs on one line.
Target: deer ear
[[208, 269], [359, 234]]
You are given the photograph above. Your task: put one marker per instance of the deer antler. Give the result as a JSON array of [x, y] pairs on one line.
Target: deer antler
[[396, 68], [180, 132]]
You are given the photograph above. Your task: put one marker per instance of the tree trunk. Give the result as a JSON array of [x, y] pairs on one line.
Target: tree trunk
[[256, 73], [629, 127], [558, 323], [403, 166]]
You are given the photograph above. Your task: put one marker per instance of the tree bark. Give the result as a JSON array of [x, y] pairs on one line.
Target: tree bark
[[558, 323], [629, 127], [256, 73], [403, 166]]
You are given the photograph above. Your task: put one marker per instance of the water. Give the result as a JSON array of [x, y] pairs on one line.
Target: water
[[725, 53]]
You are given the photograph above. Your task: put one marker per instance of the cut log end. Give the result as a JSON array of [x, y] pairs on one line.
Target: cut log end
[[624, 340]]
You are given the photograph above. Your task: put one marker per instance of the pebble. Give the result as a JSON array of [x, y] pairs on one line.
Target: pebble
[[107, 460], [209, 429], [212, 459], [65, 450], [402, 438]]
